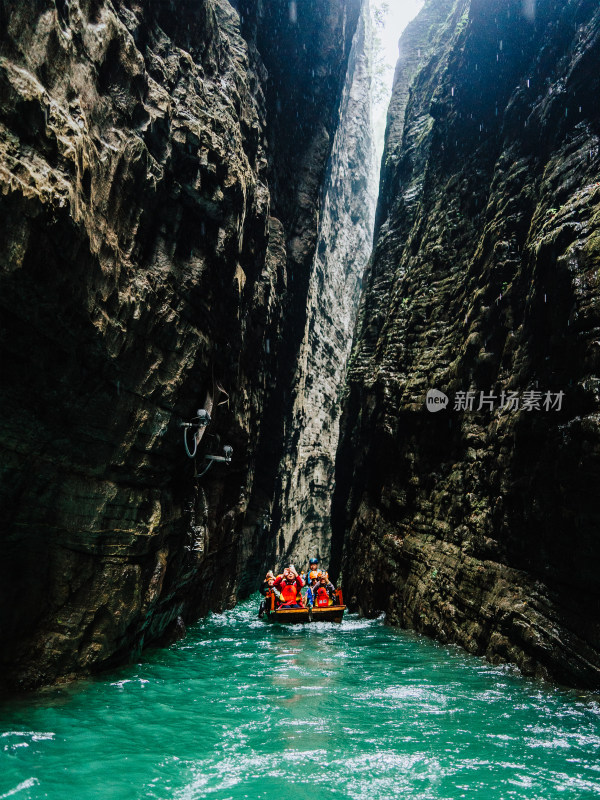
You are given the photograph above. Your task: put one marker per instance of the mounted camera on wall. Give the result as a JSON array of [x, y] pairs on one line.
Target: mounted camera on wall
[[210, 460], [198, 424]]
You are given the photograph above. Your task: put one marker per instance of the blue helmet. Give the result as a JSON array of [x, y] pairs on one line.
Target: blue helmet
[[313, 561]]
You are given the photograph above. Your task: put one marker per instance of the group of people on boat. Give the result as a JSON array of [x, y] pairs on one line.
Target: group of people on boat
[[299, 590]]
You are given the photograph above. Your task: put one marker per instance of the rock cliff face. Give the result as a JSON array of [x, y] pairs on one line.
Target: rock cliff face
[[161, 166], [306, 474], [480, 526]]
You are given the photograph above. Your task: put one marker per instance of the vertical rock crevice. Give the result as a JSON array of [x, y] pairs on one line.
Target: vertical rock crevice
[[306, 471]]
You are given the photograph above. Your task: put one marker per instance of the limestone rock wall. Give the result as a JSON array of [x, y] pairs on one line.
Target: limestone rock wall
[[153, 242], [480, 527], [306, 474]]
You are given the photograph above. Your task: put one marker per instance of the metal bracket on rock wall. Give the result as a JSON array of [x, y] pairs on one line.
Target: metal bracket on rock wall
[[199, 424]]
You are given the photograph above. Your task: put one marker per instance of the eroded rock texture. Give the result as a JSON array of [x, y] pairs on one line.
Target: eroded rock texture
[[481, 527], [302, 512], [159, 205]]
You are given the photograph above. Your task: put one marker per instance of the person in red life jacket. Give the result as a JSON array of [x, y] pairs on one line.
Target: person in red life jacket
[[312, 580], [268, 585], [289, 585], [265, 584], [323, 593]]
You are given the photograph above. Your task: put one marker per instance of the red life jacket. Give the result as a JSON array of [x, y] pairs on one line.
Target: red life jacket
[[322, 597], [289, 593]]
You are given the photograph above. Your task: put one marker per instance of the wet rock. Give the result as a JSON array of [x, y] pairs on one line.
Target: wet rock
[[159, 217], [302, 510], [478, 526], [174, 632]]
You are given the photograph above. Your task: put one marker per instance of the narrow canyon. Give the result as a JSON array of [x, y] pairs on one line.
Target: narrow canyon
[[219, 333]]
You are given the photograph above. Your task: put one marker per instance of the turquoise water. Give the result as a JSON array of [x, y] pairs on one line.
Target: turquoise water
[[242, 709]]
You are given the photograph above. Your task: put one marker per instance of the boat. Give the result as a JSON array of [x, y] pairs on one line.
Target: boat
[[333, 613]]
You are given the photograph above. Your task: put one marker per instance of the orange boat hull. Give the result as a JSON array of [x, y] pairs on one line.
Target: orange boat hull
[[300, 615], [297, 615]]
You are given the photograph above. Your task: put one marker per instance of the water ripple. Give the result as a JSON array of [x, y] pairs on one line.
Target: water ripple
[[243, 709]]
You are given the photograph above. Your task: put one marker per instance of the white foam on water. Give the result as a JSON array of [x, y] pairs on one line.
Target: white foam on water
[[24, 785]]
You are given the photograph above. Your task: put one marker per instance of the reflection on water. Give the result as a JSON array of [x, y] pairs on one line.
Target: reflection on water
[[244, 709]]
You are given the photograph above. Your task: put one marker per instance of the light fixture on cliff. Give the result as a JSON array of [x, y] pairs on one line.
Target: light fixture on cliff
[[225, 459], [200, 421], [265, 520]]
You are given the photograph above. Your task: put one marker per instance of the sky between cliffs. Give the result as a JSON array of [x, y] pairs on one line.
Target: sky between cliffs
[[396, 15]]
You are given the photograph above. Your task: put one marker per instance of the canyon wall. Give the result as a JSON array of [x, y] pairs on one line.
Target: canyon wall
[[477, 524], [161, 171], [302, 510]]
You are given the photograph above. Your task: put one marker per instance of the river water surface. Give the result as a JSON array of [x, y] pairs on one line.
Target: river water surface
[[242, 709]]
